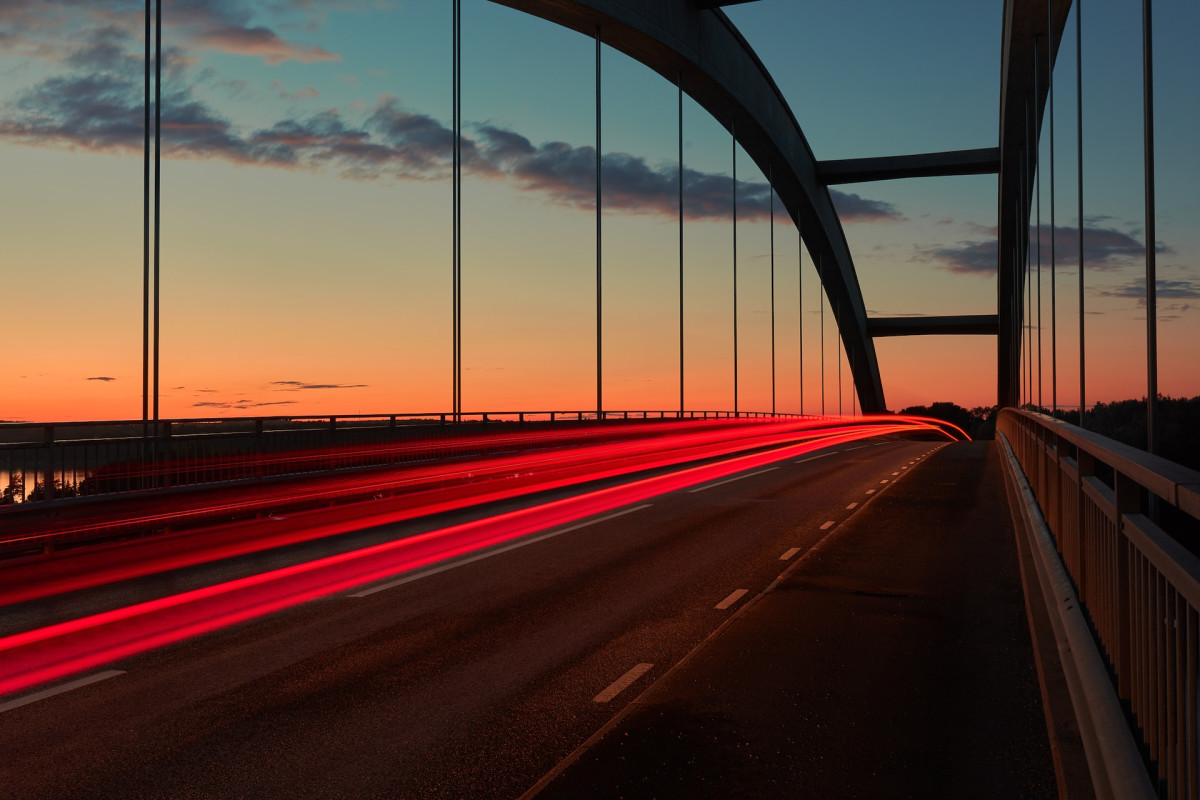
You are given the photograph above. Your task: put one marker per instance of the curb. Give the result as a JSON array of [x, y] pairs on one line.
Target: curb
[[1113, 757]]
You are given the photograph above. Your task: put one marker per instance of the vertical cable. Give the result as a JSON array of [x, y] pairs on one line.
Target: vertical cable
[[146, 236], [1026, 352], [456, 179], [771, 187], [821, 277], [157, 185], [1151, 279], [1053, 293], [1079, 169], [800, 300], [837, 319], [599, 287], [1037, 143], [733, 141], [679, 82]]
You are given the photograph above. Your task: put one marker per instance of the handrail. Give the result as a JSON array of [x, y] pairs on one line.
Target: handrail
[[1121, 520]]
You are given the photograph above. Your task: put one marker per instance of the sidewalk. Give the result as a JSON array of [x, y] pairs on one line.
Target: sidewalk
[[893, 661]]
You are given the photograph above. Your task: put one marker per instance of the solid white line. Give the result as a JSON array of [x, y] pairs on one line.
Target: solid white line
[[730, 480], [66, 687], [828, 525], [851, 507], [814, 458], [622, 683], [497, 551], [789, 554], [734, 596]]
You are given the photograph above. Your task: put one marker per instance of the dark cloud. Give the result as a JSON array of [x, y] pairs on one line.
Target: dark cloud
[[240, 405], [102, 378], [1104, 248], [853, 207], [99, 107], [1164, 289], [295, 386]]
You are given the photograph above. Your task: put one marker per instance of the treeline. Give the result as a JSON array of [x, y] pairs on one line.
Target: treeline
[[1123, 420]]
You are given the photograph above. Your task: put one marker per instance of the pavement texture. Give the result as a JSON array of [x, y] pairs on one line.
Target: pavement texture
[[893, 659]]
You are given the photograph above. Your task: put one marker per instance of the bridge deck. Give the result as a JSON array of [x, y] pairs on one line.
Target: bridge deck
[[893, 660]]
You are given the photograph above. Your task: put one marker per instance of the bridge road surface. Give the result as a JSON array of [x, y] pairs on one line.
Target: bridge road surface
[[480, 680]]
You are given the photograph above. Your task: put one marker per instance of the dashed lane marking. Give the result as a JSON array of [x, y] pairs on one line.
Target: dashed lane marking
[[731, 480], [814, 458], [734, 596], [622, 683], [870, 491], [852, 506], [60, 689], [828, 525], [788, 555]]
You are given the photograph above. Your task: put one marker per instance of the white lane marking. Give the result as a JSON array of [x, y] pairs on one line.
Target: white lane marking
[[786, 556], [885, 480], [870, 491], [814, 458], [860, 447], [622, 683], [828, 525], [66, 687], [895, 473], [497, 551], [731, 480], [852, 506], [734, 596]]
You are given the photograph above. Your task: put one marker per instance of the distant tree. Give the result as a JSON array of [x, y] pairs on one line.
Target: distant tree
[[14, 490], [1125, 421], [978, 422]]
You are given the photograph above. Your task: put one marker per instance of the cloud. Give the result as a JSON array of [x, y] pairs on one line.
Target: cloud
[[240, 405], [101, 378], [853, 207], [1164, 289], [99, 107], [295, 386], [1104, 248]]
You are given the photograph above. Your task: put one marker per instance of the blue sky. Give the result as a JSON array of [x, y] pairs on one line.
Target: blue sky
[[306, 198]]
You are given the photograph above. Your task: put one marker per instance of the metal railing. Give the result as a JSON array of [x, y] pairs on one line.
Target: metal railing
[[1126, 526], [47, 461]]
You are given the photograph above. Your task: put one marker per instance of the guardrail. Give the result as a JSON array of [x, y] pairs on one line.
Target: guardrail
[[47, 461], [1127, 528]]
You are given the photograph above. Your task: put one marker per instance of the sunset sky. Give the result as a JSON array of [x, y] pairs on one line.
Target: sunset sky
[[306, 209]]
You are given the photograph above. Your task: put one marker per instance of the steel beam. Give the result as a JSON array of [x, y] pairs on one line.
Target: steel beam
[[720, 70], [962, 325], [982, 161], [1026, 29]]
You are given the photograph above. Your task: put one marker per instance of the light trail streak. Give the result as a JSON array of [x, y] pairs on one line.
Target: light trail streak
[[449, 489], [50, 653]]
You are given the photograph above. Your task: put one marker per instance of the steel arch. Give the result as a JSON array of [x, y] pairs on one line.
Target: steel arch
[[719, 69]]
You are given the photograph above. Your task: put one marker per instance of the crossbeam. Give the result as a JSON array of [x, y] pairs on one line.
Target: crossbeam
[[719, 3], [961, 325], [981, 161]]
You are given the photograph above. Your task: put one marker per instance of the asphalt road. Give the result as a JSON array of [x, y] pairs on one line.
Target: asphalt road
[[474, 681]]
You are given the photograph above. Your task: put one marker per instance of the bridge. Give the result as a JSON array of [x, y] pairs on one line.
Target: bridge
[[648, 563]]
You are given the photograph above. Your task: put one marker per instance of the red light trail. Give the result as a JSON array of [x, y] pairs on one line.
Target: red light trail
[[56, 651]]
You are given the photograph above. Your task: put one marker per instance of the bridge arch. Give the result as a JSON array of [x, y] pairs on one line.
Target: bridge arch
[[716, 66]]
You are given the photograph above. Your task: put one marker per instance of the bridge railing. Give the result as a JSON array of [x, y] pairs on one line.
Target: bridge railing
[[46, 461], [1127, 527]]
